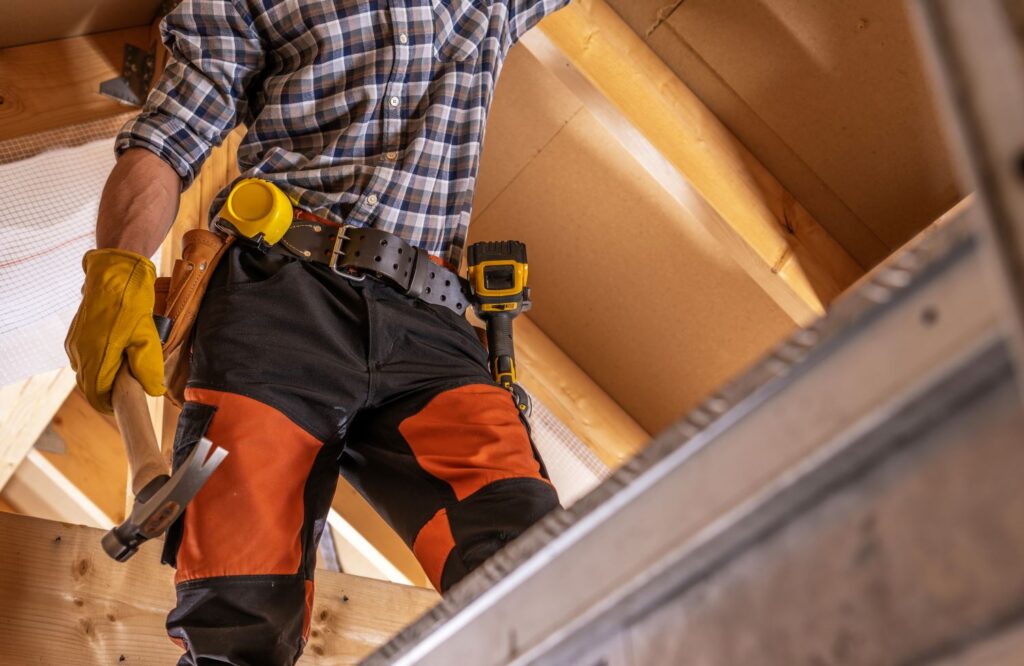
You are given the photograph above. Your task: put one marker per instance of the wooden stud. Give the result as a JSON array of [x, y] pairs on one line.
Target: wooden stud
[[67, 602], [670, 131]]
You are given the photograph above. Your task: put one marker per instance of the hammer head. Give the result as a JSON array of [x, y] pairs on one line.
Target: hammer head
[[162, 500]]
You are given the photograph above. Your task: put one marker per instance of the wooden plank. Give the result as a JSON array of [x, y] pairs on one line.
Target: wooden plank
[[66, 602], [572, 396], [56, 84], [39, 489], [93, 458], [767, 232], [26, 408]]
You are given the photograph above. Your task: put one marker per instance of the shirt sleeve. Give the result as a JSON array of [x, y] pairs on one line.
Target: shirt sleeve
[[524, 14], [202, 94]]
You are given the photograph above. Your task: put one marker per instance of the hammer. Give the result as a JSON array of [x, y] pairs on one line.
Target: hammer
[[159, 497]]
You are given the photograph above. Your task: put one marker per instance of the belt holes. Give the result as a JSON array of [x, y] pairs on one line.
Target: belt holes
[[447, 283], [443, 298], [395, 267], [377, 259], [428, 290], [432, 276], [399, 250], [383, 242], [458, 306]]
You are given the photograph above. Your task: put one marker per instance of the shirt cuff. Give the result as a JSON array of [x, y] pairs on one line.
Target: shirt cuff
[[170, 139]]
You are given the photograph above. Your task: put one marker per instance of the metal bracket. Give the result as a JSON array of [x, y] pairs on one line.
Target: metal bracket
[[136, 74]]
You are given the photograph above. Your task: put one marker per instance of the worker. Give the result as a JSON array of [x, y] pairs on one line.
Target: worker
[[365, 113]]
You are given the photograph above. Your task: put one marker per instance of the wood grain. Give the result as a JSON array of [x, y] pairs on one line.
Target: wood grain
[[26, 408], [764, 228], [66, 602], [56, 84]]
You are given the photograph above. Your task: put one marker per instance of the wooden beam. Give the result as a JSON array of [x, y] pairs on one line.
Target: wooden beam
[[571, 395], [66, 602], [93, 457], [56, 84], [692, 154], [39, 489], [26, 408]]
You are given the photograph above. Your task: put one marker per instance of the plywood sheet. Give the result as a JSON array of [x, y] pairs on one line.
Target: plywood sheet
[[636, 292], [30, 21], [530, 107], [829, 95]]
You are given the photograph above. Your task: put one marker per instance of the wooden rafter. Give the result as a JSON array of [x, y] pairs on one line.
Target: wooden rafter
[[695, 157], [66, 602], [574, 398], [56, 84], [39, 489], [26, 408]]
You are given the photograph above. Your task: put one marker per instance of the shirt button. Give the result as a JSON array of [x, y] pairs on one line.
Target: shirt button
[[403, 38], [372, 199], [392, 155], [394, 101]]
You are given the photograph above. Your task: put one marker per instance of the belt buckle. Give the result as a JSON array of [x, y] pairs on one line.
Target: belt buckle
[[337, 253]]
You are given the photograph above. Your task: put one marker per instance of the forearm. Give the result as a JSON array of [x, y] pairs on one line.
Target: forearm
[[139, 203]]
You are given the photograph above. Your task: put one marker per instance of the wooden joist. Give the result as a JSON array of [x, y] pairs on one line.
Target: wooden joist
[[26, 408], [66, 602], [695, 157], [39, 489], [55, 84], [572, 396]]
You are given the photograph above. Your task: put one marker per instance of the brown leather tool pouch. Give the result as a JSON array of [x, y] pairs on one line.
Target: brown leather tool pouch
[[178, 297]]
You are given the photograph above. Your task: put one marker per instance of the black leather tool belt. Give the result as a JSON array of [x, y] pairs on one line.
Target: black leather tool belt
[[358, 252]]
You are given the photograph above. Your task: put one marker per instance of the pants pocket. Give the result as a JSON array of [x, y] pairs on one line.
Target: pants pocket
[[192, 426]]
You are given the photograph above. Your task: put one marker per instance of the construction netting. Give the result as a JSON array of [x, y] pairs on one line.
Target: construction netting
[[50, 186]]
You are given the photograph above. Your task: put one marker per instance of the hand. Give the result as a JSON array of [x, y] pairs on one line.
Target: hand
[[115, 321]]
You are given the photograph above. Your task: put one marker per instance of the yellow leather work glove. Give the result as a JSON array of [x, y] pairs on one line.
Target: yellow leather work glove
[[115, 320]]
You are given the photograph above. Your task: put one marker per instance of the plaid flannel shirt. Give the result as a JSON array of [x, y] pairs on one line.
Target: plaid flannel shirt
[[369, 112]]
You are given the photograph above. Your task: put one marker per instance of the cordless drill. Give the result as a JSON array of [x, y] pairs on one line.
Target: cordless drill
[[497, 275]]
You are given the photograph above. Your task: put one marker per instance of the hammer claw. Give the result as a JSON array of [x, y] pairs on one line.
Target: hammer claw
[[163, 500]]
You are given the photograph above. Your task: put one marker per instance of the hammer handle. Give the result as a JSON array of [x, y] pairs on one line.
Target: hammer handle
[[132, 414]]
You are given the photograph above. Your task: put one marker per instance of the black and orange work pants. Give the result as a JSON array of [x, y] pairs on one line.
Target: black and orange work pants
[[301, 374]]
